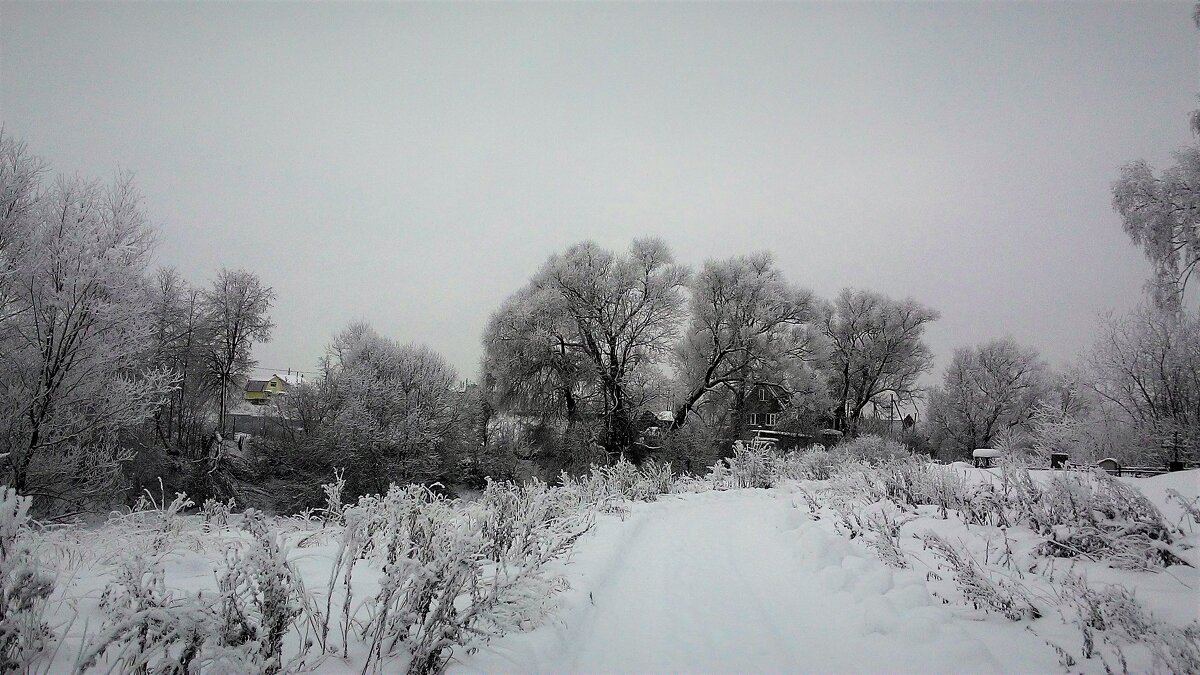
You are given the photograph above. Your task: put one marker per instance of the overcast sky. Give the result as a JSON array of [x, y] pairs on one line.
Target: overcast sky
[[413, 164]]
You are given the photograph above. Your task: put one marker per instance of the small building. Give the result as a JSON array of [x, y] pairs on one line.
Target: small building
[[259, 392], [1110, 465], [985, 458]]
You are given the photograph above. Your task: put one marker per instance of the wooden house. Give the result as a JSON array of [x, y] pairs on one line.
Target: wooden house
[[259, 392]]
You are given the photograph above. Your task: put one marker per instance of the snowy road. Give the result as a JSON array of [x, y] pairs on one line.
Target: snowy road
[[742, 581]]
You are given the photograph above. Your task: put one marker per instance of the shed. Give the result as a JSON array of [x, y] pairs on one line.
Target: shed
[[1110, 465], [985, 458]]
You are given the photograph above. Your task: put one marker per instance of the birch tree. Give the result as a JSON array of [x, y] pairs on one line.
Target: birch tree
[[1161, 214]]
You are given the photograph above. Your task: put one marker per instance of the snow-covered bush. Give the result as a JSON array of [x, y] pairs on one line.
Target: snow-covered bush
[[885, 541], [606, 486], [751, 466], [521, 520], [24, 587], [334, 508], [1112, 614], [977, 587], [436, 592], [159, 520], [815, 464], [260, 596], [872, 449], [215, 513], [1093, 514], [150, 628]]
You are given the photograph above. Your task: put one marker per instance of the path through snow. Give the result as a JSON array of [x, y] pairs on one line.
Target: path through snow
[[743, 581]]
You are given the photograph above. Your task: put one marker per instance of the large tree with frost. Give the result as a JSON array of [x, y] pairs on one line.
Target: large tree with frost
[[747, 323], [1147, 365], [529, 363], [390, 410], [876, 346], [181, 340], [74, 330], [596, 322], [987, 390], [1161, 214]]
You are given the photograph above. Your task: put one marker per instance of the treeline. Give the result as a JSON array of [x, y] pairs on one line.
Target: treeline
[[115, 375], [598, 341], [102, 362]]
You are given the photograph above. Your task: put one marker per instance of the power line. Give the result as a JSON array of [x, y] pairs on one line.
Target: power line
[[285, 370]]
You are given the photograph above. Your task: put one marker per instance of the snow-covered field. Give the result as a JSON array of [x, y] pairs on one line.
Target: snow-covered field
[[806, 576]]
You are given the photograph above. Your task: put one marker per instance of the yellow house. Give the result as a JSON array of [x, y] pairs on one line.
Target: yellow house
[[259, 391]]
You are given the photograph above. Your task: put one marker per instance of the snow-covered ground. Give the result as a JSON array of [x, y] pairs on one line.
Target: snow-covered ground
[[743, 581], [747, 581], [786, 579]]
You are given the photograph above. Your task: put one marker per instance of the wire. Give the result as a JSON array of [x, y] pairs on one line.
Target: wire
[[285, 370]]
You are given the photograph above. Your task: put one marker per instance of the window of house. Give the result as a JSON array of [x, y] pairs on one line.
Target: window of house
[[770, 419], [753, 419], [762, 393]]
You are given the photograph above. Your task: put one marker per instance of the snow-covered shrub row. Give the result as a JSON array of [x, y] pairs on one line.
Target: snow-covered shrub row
[[871, 449], [394, 581], [1076, 513], [977, 587], [151, 627], [756, 464], [605, 487], [1018, 543]]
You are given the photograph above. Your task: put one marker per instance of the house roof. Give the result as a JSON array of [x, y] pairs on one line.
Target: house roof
[[777, 390], [256, 385]]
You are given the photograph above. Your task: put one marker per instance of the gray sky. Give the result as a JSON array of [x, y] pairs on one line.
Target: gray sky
[[412, 164]]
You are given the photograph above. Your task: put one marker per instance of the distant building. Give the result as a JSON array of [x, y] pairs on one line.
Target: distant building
[[259, 392]]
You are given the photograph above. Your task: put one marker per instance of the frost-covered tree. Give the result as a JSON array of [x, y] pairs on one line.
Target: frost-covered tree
[[181, 340], [1161, 214], [530, 364], [875, 347], [1147, 364], [987, 391], [20, 177], [73, 336], [392, 410], [747, 323], [236, 305], [612, 318]]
